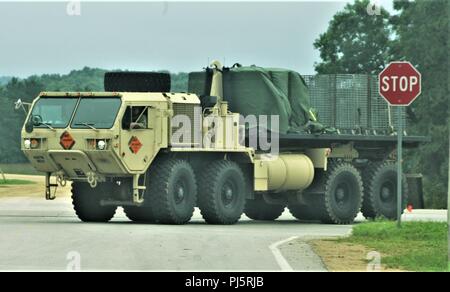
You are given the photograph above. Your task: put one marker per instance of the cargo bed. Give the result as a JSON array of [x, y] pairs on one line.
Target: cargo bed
[[359, 141]]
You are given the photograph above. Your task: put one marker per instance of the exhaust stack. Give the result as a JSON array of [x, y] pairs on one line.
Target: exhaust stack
[[221, 106], [217, 80]]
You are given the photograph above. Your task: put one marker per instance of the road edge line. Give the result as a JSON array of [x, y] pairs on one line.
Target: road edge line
[[281, 260]]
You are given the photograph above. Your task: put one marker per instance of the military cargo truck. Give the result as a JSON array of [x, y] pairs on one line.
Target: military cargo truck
[[159, 154]]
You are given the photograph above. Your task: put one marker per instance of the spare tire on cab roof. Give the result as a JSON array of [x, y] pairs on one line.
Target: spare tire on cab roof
[[137, 82]]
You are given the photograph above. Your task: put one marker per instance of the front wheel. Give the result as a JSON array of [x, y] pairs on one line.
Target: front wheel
[[141, 214], [86, 203], [172, 191]]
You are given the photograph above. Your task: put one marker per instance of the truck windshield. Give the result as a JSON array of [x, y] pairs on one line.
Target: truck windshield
[[55, 111], [96, 113]]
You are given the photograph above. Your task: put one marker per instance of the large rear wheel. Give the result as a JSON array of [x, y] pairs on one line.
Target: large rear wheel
[[380, 190], [341, 200]]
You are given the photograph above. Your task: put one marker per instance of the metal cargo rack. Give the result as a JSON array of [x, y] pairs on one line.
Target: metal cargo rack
[[350, 102]]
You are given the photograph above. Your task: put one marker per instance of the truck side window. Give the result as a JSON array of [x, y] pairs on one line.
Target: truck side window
[[135, 117]]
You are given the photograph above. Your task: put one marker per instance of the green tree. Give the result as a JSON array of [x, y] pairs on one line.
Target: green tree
[[355, 41], [11, 121], [422, 30]]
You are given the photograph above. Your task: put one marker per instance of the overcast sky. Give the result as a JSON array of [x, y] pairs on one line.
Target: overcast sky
[[38, 38]]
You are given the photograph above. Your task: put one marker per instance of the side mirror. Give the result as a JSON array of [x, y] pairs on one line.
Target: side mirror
[[18, 104], [33, 121], [29, 126]]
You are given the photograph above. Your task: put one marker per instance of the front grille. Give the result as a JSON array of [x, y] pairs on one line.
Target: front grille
[[187, 134]]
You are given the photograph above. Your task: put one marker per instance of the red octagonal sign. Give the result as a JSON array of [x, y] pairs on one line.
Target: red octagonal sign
[[399, 83]]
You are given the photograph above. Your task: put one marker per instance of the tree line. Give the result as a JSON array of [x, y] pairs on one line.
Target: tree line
[[359, 42]]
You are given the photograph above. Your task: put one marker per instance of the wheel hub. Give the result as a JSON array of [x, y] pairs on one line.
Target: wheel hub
[[387, 192], [340, 194], [179, 193], [228, 194]]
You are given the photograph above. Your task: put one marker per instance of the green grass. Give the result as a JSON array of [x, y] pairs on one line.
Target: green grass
[[19, 168], [416, 246], [15, 182]]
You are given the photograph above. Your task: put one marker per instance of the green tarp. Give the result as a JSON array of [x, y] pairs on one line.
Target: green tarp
[[263, 91]]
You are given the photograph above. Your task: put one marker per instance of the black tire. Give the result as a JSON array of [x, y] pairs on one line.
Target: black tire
[[143, 214], [86, 203], [258, 209], [304, 212], [380, 194], [137, 81], [343, 193], [223, 194], [173, 191], [367, 208]]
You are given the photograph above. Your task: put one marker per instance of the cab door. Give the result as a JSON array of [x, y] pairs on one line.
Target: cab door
[[137, 139]]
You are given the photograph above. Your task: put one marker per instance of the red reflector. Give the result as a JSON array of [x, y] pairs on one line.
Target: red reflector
[[34, 143]]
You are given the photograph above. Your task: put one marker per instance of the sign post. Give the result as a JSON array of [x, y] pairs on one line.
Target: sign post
[[400, 84], [399, 166]]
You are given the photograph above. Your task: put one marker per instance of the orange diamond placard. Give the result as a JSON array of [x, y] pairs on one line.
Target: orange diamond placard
[[66, 140], [135, 145]]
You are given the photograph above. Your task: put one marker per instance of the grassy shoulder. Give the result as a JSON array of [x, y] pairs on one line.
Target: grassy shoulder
[[14, 182], [416, 246]]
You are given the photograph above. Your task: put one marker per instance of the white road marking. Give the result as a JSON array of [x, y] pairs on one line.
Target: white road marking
[[281, 261]]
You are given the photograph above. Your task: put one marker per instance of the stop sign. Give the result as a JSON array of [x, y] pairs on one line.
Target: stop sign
[[399, 83]]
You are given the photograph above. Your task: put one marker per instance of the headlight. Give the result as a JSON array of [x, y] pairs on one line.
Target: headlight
[[27, 143], [35, 143], [101, 145]]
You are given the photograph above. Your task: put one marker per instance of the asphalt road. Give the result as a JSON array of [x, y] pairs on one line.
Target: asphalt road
[[45, 235]]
